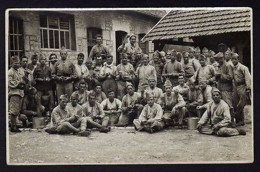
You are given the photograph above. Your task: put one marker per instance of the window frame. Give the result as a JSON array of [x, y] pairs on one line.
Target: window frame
[[15, 37], [48, 29]]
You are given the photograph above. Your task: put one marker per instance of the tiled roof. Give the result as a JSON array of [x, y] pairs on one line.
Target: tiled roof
[[194, 23]]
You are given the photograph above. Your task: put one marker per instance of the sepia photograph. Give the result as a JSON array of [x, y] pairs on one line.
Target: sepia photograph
[[129, 86]]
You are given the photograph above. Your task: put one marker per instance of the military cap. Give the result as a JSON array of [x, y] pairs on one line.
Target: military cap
[[218, 55], [74, 95], [110, 90], [214, 89], [15, 59], [162, 53], [64, 97], [168, 83], [151, 78], [197, 49], [205, 49]]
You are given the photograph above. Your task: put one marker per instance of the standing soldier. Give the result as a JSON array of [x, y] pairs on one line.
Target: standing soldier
[[108, 75], [16, 85], [242, 79], [131, 48], [212, 60], [64, 73], [173, 69], [81, 69], [42, 76], [196, 52], [188, 66], [28, 73], [224, 77], [34, 62], [158, 65], [193, 58], [204, 72], [99, 48], [152, 89], [144, 72], [205, 52], [228, 57], [124, 73], [52, 60]]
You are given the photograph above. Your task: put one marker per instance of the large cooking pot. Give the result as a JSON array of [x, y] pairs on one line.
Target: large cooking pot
[[38, 122], [192, 123]]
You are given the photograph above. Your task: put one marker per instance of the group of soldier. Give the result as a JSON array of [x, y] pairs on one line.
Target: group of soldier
[[150, 94]]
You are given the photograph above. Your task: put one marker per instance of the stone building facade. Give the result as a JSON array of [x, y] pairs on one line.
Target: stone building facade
[[46, 32]]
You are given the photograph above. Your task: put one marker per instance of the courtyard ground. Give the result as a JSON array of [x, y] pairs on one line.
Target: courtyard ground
[[125, 145]]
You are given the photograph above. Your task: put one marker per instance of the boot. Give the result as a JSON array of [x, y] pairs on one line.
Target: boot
[[84, 133], [13, 125], [104, 130]]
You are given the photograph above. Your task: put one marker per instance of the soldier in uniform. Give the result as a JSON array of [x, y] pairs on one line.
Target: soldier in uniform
[[242, 80], [218, 115], [131, 107], [124, 73], [224, 78], [173, 106], [64, 74], [112, 107], [82, 92], [194, 58], [144, 72], [34, 62], [152, 89], [150, 119], [81, 70], [158, 65], [130, 48], [42, 75], [173, 69], [188, 66], [16, 86], [98, 50]]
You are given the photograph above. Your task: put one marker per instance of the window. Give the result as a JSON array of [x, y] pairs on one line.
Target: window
[[57, 31], [92, 32], [15, 43]]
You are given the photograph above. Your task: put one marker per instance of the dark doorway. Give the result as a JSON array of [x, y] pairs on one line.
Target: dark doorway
[[119, 40]]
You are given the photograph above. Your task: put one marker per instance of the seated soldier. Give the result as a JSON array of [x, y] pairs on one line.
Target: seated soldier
[[218, 116], [31, 107], [95, 114], [62, 120], [194, 99], [182, 87], [112, 107], [173, 106], [152, 89], [75, 112], [82, 92], [150, 119], [206, 95], [100, 95], [131, 107]]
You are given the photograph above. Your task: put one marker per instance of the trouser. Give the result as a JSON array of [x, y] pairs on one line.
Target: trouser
[[121, 89], [15, 104], [113, 119], [67, 128], [109, 84], [51, 100], [81, 123], [222, 132], [143, 85], [175, 113], [227, 96], [127, 118], [64, 88], [242, 96], [157, 125], [98, 123], [29, 117]]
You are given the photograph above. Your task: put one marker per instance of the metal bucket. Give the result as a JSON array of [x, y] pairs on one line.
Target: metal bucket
[[192, 123], [38, 122]]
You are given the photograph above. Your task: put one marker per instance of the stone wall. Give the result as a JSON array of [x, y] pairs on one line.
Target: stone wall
[[108, 21]]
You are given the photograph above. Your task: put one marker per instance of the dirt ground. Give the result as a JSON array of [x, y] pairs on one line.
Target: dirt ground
[[124, 145]]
